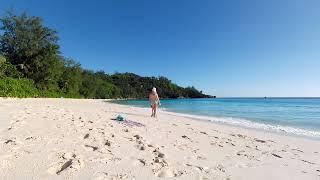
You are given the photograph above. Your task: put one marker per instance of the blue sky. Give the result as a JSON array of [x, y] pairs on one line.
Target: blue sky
[[226, 48]]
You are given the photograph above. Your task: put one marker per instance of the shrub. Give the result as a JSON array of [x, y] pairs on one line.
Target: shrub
[[2, 59], [20, 88], [51, 93], [8, 70]]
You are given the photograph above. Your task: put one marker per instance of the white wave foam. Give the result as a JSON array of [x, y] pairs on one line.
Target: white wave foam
[[251, 124]]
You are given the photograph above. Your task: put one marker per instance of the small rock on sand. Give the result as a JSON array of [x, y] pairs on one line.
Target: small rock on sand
[[275, 155], [10, 142], [64, 166], [185, 137], [93, 147], [86, 136], [108, 143], [137, 136], [260, 141]]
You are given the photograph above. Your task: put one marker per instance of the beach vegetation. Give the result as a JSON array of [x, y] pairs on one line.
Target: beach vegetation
[[19, 88], [8, 70]]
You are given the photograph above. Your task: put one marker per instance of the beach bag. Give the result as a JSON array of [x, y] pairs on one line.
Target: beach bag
[[120, 118]]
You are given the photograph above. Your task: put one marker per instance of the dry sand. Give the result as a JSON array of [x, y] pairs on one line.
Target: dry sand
[[76, 139]]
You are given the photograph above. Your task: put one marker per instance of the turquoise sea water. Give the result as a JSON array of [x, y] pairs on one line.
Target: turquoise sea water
[[300, 116]]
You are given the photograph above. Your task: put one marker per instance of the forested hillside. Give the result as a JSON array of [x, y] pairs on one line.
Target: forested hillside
[[31, 65]]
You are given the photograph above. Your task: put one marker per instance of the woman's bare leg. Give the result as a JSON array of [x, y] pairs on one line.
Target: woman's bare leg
[[155, 111]]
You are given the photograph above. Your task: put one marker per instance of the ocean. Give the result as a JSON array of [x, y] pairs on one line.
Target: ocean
[[296, 116]]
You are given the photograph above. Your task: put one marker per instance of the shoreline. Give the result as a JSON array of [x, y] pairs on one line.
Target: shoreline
[[267, 128], [208, 119], [76, 139], [245, 123], [223, 123]]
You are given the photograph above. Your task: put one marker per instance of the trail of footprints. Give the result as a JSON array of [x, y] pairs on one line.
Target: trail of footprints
[[249, 149], [160, 166]]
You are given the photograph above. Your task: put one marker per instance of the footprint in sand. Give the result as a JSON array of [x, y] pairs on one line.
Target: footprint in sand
[[33, 138], [201, 158], [81, 124], [107, 143], [216, 144], [230, 143], [159, 163], [140, 143], [138, 162], [220, 168], [67, 162], [103, 175], [16, 124], [141, 147], [203, 178], [168, 173], [5, 163], [241, 165], [182, 147], [203, 133], [244, 154], [199, 168], [10, 142], [238, 135], [298, 150], [186, 137], [93, 148]]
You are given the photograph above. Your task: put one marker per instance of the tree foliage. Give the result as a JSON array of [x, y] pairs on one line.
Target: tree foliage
[[27, 43], [71, 79], [135, 86]]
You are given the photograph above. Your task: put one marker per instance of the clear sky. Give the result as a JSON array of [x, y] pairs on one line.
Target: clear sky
[[226, 48]]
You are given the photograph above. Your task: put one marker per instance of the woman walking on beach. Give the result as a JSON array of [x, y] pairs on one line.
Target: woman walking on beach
[[154, 101]]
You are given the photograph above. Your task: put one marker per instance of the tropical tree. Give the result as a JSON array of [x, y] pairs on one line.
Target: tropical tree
[[31, 46], [71, 78]]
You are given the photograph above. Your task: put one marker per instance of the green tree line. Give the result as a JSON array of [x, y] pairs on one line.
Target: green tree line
[[31, 65]]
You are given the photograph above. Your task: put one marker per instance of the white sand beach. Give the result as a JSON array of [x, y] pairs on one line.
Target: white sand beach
[[77, 139]]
